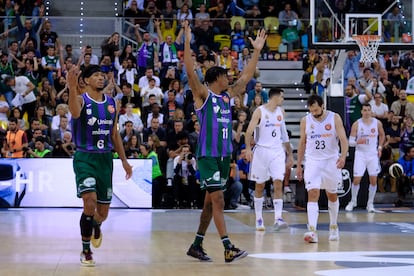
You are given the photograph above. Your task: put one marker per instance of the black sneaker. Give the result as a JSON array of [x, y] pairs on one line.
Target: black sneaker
[[233, 254], [198, 253]]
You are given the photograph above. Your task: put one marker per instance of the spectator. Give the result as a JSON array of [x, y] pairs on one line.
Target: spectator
[[128, 131], [47, 98], [40, 150], [204, 36], [132, 147], [31, 71], [169, 12], [407, 134], [161, 151], [17, 113], [243, 166], [38, 133], [132, 117], [257, 101], [15, 141], [175, 85], [220, 22], [244, 58], [184, 184], [28, 27], [126, 71], [70, 54], [4, 110], [379, 109], [288, 17], [23, 87], [171, 105], [151, 89], [402, 107], [392, 137], [44, 121], [64, 148], [146, 152], [57, 134], [110, 46], [147, 55], [201, 15], [238, 37], [48, 38], [93, 58], [354, 102], [127, 54], [156, 129], [51, 64], [144, 80], [206, 58], [62, 110], [258, 89]]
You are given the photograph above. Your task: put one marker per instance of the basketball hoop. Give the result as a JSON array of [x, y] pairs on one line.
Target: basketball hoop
[[368, 44]]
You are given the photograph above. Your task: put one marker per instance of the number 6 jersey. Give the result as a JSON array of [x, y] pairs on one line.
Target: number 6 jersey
[[321, 138]]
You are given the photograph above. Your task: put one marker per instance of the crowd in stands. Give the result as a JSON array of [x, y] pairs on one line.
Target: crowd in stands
[[157, 117]]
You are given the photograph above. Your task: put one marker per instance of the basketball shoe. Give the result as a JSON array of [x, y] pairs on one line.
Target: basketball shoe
[[198, 252], [280, 224], [234, 254], [86, 258], [311, 236], [351, 205], [370, 208], [333, 232], [260, 225]]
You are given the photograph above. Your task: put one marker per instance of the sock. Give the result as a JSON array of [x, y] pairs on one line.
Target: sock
[[372, 190], [354, 192], [333, 208], [86, 245], [258, 208], [198, 239], [86, 225], [226, 242], [278, 206], [313, 213]]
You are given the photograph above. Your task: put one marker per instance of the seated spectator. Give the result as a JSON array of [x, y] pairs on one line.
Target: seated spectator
[[379, 109], [201, 15], [17, 113], [178, 87], [40, 150], [110, 46], [238, 37], [58, 134], [288, 17], [405, 183], [244, 58], [128, 131], [132, 147], [132, 117], [233, 189], [170, 106], [290, 36], [38, 133], [258, 89], [151, 89], [144, 80], [130, 96], [4, 110], [169, 12], [392, 136], [155, 128], [156, 113], [243, 166]]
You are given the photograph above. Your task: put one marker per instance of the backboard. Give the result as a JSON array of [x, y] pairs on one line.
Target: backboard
[[334, 22]]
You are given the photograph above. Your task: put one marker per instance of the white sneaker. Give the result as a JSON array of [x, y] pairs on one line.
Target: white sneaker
[[280, 224], [351, 205], [333, 233], [260, 225], [370, 208], [242, 207], [311, 237]]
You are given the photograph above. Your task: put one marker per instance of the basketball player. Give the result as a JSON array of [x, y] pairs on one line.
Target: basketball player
[[272, 141], [214, 147], [94, 128], [318, 144], [367, 136]]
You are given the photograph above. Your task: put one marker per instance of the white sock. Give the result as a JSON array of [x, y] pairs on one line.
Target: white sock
[[278, 206], [258, 207], [372, 190], [333, 208], [354, 192], [313, 213]]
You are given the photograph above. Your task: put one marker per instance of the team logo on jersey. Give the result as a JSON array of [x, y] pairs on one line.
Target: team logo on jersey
[[111, 108], [312, 126], [216, 108], [372, 130], [92, 121], [88, 111], [279, 118], [328, 127], [226, 99], [214, 100]]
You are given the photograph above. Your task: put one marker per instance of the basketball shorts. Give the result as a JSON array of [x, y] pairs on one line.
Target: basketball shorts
[[366, 161], [267, 163], [322, 174], [214, 172], [93, 172]]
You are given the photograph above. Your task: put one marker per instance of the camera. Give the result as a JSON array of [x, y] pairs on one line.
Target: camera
[[134, 150], [69, 147], [24, 149], [189, 156]]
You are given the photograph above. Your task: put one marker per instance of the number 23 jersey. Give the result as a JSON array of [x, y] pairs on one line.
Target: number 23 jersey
[[321, 138]]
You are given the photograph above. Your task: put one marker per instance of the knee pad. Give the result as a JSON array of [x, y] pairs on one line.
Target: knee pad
[[86, 225]]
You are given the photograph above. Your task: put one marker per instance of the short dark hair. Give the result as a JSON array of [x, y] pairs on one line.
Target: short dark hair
[[13, 120], [214, 73], [275, 91], [312, 99], [40, 139]]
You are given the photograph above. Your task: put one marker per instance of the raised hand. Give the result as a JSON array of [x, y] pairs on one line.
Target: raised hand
[[260, 40], [72, 79]]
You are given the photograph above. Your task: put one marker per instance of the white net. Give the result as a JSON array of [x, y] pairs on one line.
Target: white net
[[368, 44]]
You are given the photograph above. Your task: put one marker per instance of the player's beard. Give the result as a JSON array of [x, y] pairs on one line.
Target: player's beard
[[317, 116]]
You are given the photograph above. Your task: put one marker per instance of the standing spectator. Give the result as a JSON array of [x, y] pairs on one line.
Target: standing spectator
[[379, 109], [402, 107], [354, 102], [146, 152], [51, 65], [28, 26], [48, 38], [147, 53], [16, 140], [23, 87], [258, 90], [94, 170], [392, 137], [110, 46], [323, 164], [367, 136]]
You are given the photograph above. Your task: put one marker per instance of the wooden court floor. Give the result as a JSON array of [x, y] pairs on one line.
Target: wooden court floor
[[147, 242]]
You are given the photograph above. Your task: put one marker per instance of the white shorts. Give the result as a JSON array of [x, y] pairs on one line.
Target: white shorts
[[267, 163], [322, 174], [366, 161]]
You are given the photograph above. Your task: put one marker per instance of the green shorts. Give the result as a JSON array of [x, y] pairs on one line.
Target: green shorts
[[93, 173], [214, 172]]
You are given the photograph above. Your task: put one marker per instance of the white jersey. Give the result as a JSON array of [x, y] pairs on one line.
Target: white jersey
[[271, 131], [370, 133], [321, 138]]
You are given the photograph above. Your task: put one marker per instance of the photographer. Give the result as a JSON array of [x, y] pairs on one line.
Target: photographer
[[40, 151], [132, 147], [184, 183], [64, 148], [405, 182]]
